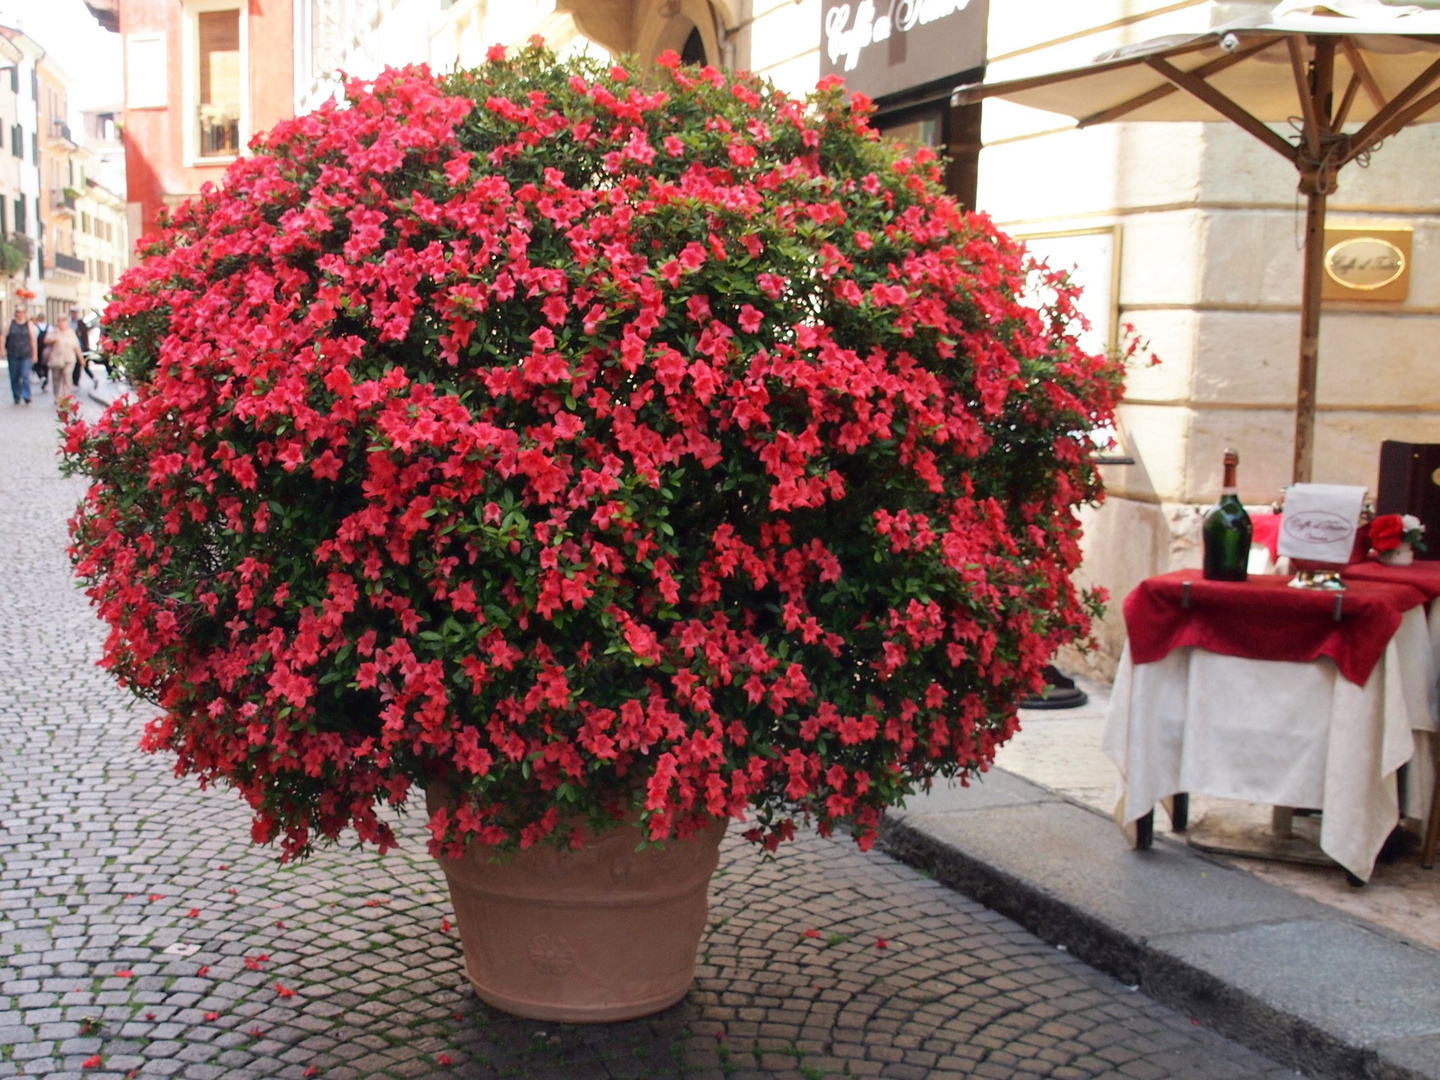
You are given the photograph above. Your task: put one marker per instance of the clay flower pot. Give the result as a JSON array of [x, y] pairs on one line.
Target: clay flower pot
[[594, 935], [1403, 555]]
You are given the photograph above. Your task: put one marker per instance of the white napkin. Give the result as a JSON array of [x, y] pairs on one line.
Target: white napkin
[[1319, 522]]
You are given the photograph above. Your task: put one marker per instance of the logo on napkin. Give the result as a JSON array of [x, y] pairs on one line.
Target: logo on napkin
[[1320, 521]]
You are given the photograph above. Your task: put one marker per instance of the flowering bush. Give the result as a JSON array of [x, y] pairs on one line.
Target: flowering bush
[[592, 446]]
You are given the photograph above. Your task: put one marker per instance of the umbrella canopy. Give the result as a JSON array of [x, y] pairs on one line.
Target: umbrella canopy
[[1349, 73]]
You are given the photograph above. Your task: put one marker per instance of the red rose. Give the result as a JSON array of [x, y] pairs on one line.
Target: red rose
[[1385, 532]]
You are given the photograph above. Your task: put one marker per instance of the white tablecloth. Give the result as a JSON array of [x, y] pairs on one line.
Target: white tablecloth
[[1289, 734]]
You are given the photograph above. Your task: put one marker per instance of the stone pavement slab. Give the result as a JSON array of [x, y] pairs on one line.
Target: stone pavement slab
[[1295, 979], [142, 935]]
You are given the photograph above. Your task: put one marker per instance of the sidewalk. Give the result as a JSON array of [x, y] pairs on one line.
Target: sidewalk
[[1334, 981]]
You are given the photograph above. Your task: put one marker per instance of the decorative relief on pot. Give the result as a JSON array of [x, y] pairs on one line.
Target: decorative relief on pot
[[551, 954]]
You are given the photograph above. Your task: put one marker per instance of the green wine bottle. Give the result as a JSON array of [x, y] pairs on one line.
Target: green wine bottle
[[1227, 531]]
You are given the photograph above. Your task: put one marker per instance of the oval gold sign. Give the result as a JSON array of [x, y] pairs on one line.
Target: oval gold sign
[[1365, 263]]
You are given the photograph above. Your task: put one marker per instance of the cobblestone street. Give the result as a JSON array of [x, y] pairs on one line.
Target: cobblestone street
[[141, 935]]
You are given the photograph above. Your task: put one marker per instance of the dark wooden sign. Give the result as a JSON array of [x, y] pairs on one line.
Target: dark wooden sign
[[884, 47]]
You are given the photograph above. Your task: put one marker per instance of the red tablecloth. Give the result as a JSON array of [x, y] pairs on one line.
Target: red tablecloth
[[1424, 576], [1265, 619]]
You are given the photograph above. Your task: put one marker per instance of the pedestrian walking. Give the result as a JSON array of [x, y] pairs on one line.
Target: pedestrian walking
[[20, 354], [42, 370], [63, 356], [82, 334]]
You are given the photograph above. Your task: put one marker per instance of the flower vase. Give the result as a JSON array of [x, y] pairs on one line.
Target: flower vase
[[1403, 555], [592, 935]]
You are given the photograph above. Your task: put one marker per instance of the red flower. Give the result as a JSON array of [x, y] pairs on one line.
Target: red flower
[[92, 1062], [312, 1070], [194, 912], [443, 1059], [204, 970], [881, 943], [284, 991], [212, 1016], [1386, 532], [811, 933]]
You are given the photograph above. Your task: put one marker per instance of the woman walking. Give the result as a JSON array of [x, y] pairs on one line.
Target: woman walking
[[61, 356], [20, 349]]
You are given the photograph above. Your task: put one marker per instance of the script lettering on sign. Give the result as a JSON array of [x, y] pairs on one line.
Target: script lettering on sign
[[847, 39], [1367, 264]]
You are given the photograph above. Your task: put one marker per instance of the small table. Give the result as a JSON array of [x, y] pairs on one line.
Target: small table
[[1255, 691], [1423, 768]]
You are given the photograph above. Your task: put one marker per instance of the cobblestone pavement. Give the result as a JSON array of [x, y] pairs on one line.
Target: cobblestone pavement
[[141, 935]]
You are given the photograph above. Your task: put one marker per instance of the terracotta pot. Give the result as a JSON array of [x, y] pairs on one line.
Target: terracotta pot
[[1403, 555], [599, 934]]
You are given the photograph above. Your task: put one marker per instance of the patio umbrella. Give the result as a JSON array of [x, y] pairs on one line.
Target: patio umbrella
[[1356, 64]]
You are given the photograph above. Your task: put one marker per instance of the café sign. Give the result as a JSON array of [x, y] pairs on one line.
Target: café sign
[[1367, 264], [883, 47]]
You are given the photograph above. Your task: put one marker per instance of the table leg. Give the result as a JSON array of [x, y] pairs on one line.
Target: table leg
[[1145, 831], [1179, 811], [1282, 820], [1432, 827]]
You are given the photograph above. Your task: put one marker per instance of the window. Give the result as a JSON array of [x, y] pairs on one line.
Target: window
[[17, 141], [145, 72], [3, 230], [35, 147], [217, 83], [15, 79], [19, 213]]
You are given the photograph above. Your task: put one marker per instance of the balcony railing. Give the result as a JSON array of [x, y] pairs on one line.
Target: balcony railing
[[70, 264], [62, 200], [59, 130]]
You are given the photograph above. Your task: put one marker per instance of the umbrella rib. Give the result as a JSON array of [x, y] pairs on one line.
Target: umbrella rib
[[1224, 106], [1378, 126], [1204, 71], [1349, 99], [1424, 105], [1362, 71]]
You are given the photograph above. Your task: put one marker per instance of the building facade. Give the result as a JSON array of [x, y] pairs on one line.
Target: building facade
[[201, 78], [22, 141], [61, 162], [100, 245], [12, 164]]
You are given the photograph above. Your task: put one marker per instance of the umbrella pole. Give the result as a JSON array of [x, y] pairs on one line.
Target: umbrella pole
[[1317, 179], [1309, 333]]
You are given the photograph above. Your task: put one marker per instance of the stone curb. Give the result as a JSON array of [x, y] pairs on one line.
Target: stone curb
[[1315, 990]]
